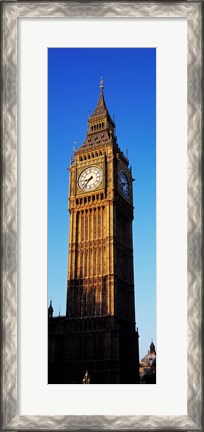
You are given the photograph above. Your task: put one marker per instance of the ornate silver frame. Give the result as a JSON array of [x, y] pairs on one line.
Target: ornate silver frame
[[10, 12]]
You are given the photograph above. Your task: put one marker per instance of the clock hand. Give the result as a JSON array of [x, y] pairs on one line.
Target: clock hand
[[86, 181]]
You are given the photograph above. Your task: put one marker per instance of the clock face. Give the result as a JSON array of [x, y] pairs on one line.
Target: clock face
[[124, 184], [90, 178]]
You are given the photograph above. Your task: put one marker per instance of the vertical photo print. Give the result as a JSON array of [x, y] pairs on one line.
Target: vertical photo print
[[101, 216]]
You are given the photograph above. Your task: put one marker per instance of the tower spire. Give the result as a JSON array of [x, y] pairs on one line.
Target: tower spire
[[100, 120]]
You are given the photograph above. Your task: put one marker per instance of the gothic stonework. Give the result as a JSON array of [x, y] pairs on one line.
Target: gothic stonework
[[98, 333]]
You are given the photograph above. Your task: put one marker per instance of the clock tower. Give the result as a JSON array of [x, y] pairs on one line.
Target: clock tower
[[99, 327]]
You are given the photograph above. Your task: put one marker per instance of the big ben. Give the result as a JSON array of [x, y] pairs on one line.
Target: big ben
[[98, 334]]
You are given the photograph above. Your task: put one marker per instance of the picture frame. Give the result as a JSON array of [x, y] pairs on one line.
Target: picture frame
[[10, 13]]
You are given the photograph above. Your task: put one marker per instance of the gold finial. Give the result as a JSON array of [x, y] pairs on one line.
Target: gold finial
[[86, 379], [101, 83]]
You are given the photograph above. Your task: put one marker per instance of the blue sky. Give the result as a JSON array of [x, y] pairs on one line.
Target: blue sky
[[129, 76]]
